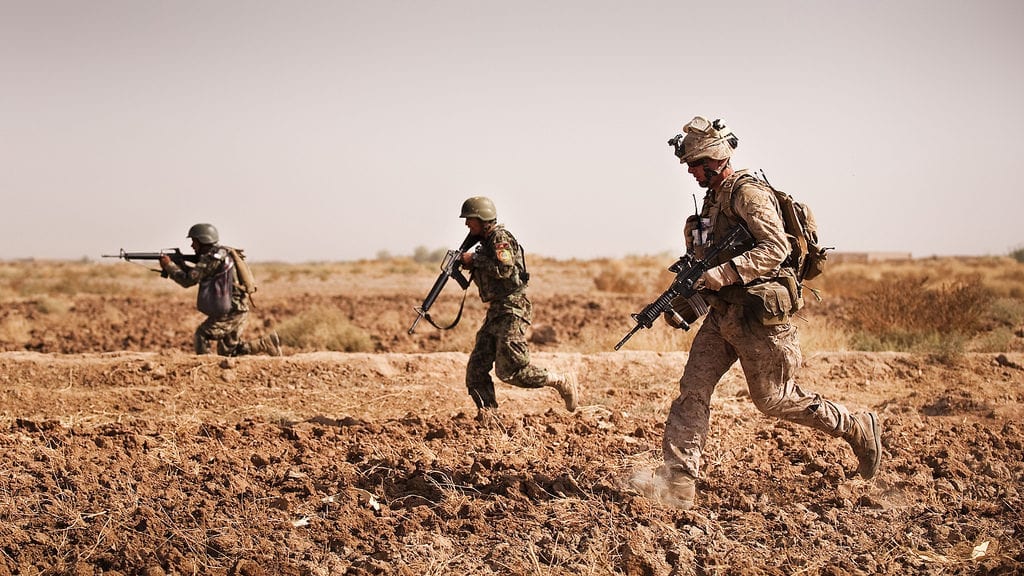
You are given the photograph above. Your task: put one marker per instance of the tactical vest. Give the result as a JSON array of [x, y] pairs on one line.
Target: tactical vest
[[722, 216], [775, 296]]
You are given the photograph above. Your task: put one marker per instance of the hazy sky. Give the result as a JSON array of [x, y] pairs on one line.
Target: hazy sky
[[319, 130]]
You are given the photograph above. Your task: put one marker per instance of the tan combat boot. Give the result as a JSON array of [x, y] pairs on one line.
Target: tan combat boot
[[865, 437], [672, 488], [269, 344], [274, 349], [566, 385]]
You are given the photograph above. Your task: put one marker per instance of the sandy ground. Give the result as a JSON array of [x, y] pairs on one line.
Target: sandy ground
[[126, 454], [330, 463]]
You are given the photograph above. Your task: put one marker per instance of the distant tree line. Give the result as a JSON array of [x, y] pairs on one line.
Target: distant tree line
[[1018, 253], [420, 254]]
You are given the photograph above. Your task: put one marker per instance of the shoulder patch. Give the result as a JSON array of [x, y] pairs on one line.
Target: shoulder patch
[[503, 251]]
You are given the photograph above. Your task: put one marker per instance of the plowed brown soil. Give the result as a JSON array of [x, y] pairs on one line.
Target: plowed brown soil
[[126, 454]]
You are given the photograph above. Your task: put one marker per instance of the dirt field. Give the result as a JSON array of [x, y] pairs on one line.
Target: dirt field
[[126, 454]]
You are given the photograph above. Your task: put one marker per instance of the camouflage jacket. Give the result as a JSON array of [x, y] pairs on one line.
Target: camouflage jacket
[[209, 266], [499, 271], [750, 202]]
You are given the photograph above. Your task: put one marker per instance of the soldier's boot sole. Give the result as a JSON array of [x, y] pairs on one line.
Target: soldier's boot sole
[[866, 442]]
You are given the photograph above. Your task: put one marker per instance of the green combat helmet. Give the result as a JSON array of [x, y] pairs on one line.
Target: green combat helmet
[[704, 140], [479, 207], [203, 233]]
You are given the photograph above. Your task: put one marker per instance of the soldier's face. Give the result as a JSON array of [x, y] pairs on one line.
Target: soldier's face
[[476, 226], [200, 248], [704, 170]]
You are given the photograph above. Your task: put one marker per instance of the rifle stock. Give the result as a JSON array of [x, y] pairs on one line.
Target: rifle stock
[[688, 271], [451, 267]]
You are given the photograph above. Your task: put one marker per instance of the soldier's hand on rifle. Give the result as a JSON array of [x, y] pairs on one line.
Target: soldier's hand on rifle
[[721, 275], [467, 258], [165, 262]]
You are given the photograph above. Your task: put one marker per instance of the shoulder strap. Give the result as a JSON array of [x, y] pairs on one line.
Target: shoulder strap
[[729, 209], [245, 277], [246, 281]]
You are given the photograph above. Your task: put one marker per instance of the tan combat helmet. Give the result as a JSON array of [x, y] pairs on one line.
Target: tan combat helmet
[[704, 140], [203, 233], [479, 207]]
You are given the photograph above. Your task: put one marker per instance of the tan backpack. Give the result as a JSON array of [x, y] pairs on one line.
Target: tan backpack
[[246, 281], [807, 256]]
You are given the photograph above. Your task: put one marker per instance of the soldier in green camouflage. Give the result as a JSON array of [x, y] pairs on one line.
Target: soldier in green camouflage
[[221, 296], [498, 268], [752, 294]]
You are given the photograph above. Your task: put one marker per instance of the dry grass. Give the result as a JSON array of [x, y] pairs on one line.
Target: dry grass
[[939, 305], [324, 329], [632, 275], [822, 335], [65, 279], [616, 277]]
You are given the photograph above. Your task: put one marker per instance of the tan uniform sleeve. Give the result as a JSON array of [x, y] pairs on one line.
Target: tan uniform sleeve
[[759, 209]]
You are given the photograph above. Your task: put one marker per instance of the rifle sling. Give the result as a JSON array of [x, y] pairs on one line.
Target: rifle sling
[[457, 316]]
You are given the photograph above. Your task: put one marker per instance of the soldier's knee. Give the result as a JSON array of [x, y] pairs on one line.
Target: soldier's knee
[[505, 373], [770, 405]]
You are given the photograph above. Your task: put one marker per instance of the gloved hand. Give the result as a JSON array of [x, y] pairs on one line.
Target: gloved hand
[[721, 275]]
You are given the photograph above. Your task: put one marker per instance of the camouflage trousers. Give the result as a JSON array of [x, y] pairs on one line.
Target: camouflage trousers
[[770, 358], [501, 343], [226, 330]]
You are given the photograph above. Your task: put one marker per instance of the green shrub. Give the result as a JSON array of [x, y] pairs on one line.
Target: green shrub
[[999, 340], [1018, 254], [1006, 312]]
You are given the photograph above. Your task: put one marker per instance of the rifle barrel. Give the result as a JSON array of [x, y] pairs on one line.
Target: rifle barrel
[[628, 336]]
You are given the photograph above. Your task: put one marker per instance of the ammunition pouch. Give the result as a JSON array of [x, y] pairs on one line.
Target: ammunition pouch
[[787, 277], [771, 302]]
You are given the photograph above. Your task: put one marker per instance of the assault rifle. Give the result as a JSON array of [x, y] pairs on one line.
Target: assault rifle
[[175, 254], [688, 270], [451, 267]]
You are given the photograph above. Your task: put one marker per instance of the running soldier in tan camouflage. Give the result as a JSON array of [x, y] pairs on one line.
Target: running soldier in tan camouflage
[[221, 296], [752, 294], [498, 267]]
